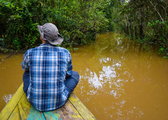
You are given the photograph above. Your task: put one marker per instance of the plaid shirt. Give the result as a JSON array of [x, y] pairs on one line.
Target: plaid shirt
[[48, 66]]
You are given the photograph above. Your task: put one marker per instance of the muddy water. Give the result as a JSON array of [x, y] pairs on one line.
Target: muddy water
[[10, 77], [119, 81]]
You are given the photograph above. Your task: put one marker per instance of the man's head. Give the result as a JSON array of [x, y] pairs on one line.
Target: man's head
[[49, 32]]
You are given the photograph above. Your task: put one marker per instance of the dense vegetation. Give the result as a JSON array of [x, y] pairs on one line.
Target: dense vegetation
[[145, 21], [77, 20]]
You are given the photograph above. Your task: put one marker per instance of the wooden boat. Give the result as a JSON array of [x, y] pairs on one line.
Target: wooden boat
[[18, 108]]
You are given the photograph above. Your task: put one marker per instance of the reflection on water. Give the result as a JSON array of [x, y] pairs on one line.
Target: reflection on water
[[7, 97], [10, 77], [119, 81]]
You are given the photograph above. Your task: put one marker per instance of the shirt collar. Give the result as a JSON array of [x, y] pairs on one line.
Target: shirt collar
[[46, 44], [49, 45]]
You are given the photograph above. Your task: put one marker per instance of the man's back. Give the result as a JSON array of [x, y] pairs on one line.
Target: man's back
[[48, 66]]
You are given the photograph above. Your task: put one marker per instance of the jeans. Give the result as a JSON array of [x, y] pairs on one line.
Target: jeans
[[70, 81], [26, 81]]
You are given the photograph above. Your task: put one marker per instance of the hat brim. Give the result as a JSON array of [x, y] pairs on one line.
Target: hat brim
[[58, 41]]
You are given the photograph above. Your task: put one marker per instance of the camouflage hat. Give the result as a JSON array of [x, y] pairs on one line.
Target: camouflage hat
[[49, 32]]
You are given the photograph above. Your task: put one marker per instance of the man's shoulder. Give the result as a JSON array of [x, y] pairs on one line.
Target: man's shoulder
[[63, 49], [58, 49], [28, 51], [33, 49]]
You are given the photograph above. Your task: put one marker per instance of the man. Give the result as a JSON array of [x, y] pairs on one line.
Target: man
[[48, 77]]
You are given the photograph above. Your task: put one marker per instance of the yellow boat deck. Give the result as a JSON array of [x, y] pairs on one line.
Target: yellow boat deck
[[18, 108]]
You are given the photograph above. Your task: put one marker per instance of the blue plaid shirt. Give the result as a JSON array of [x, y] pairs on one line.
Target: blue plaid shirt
[[48, 66]]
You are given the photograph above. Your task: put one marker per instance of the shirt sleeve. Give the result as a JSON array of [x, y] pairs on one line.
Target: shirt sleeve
[[69, 69], [26, 61]]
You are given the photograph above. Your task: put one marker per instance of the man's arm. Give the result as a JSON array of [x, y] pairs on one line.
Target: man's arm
[[25, 66], [69, 69], [25, 62]]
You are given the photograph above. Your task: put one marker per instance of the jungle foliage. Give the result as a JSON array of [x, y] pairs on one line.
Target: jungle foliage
[[147, 22], [78, 21]]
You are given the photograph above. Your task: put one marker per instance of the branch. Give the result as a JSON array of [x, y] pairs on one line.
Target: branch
[[157, 11]]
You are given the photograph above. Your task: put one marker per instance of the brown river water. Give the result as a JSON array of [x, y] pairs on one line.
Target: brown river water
[[119, 80]]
